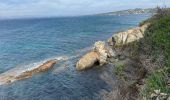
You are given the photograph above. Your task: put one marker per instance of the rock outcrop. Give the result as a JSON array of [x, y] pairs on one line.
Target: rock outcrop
[[99, 54], [21, 73], [101, 51], [128, 36], [44, 67]]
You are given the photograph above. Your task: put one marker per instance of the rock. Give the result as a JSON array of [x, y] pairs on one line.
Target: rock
[[20, 73], [168, 98], [144, 27], [44, 67], [157, 95], [121, 57], [100, 53], [111, 41], [128, 36], [87, 61]]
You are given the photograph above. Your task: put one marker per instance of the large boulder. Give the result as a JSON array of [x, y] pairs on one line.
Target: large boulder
[[87, 61], [100, 54]]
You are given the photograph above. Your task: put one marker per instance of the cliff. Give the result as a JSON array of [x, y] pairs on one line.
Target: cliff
[[103, 51], [142, 60], [119, 51]]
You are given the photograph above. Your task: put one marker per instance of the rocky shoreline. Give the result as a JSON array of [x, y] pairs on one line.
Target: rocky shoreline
[[117, 52], [101, 54], [102, 51]]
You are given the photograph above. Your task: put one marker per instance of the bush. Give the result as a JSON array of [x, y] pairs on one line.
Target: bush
[[156, 81], [119, 71], [158, 35]]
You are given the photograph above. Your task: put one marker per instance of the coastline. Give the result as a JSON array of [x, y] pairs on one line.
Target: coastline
[[123, 60], [105, 51], [141, 63], [16, 74], [20, 73], [117, 54]]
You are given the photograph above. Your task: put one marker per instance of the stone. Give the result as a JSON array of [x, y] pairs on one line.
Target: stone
[[87, 61], [168, 98], [144, 27], [44, 67], [102, 51], [19, 74], [100, 54], [125, 37]]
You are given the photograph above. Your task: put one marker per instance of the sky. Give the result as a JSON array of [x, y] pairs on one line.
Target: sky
[[51, 8]]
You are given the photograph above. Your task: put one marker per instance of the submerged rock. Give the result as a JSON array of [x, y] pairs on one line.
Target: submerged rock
[[21, 73], [44, 67]]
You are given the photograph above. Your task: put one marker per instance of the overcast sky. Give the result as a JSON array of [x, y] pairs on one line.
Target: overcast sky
[[50, 8]]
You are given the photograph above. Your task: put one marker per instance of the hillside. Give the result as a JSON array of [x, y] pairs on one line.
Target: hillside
[[132, 11], [141, 59], [151, 54]]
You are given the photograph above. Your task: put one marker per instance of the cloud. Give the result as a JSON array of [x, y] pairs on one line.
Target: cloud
[[45, 8]]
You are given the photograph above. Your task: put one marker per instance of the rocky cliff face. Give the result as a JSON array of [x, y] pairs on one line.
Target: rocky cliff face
[[119, 52], [102, 51], [128, 36]]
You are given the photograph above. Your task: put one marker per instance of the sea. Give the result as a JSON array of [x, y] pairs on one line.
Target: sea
[[26, 43]]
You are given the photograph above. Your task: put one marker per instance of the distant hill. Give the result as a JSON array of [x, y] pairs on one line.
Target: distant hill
[[131, 11]]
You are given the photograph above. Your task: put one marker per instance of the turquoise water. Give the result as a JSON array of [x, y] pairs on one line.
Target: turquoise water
[[26, 42]]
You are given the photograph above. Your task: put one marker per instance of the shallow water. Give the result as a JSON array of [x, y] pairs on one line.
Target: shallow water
[[26, 42]]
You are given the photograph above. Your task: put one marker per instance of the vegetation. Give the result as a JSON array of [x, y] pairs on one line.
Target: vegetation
[[158, 38], [119, 71], [161, 12], [134, 53], [152, 53]]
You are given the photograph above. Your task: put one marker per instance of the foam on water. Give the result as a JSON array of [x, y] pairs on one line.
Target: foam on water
[[16, 71]]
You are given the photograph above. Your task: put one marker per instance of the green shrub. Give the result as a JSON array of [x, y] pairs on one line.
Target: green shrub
[[134, 52], [158, 35], [156, 81], [119, 71]]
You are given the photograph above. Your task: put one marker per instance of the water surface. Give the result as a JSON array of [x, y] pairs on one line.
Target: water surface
[[26, 42]]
